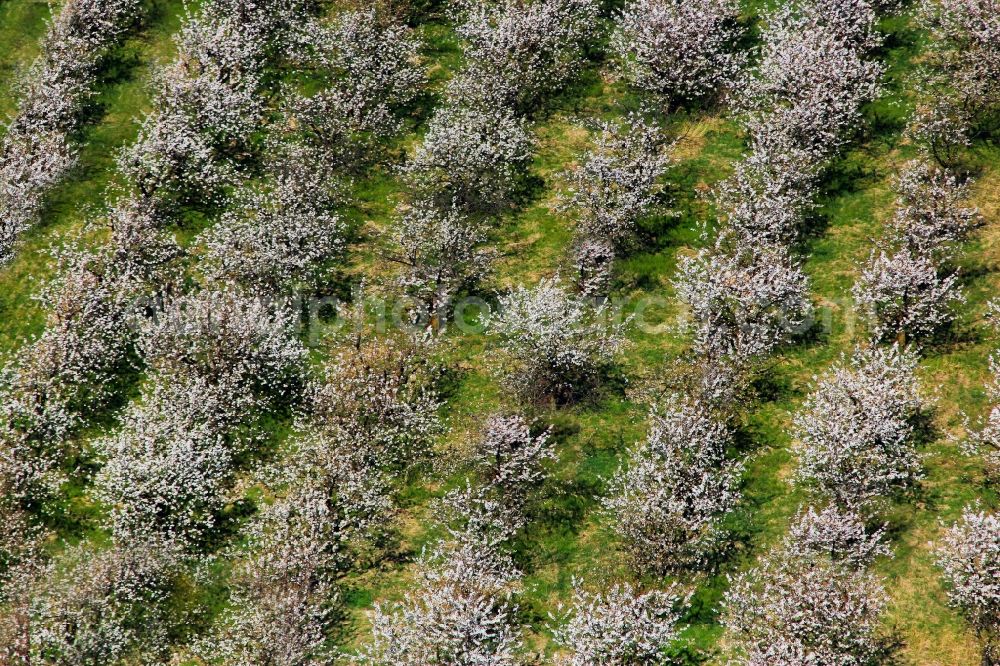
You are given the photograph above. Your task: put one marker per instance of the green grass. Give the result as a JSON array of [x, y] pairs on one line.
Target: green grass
[[570, 536], [22, 23]]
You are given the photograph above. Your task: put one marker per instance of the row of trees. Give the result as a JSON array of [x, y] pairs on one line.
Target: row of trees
[[908, 287], [813, 598], [371, 420], [746, 293], [280, 237], [856, 437], [38, 149], [959, 95], [374, 418], [471, 166], [672, 54], [810, 599], [75, 367], [218, 361], [667, 504], [374, 415], [463, 608], [958, 102], [800, 103]]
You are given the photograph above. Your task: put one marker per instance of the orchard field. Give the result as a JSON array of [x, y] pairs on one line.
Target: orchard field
[[500, 332]]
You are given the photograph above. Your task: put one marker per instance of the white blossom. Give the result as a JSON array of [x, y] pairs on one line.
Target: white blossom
[[969, 557], [372, 63], [930, 217], [959, 85], [619, 627], [104, 606], [66, 374], [358, 496], [244, 346], [986, 440], [678, 51], [939, 125], [616, 183], [281, 237], [142, 255], [166, 472], [285, 598], [772, 190], [22, 561], [721, 385], [171, 162], [668, 504], [906, 288], [551, 344], [214, 80], [460, 613], [474, 159], [810, 84], [856, 428], [508, 463], [442, 253], [208, 102], [966, 53], [745, 298], [593, 263], [379, 398], [900, 293], [838, 534], [29, 167], [509, 458], [219, 361], [285, 602], [521, 53], [802, 102], [964, 22], [282, 610], [479, 512], [36, 151], [851, 21], [805, 610]]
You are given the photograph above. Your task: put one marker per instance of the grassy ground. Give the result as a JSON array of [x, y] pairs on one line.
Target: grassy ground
[[570, 537], [22, 23], [121, 100]]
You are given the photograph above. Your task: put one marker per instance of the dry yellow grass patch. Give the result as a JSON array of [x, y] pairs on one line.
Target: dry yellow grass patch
[[986, 196], [917, 605], [692, 137]]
